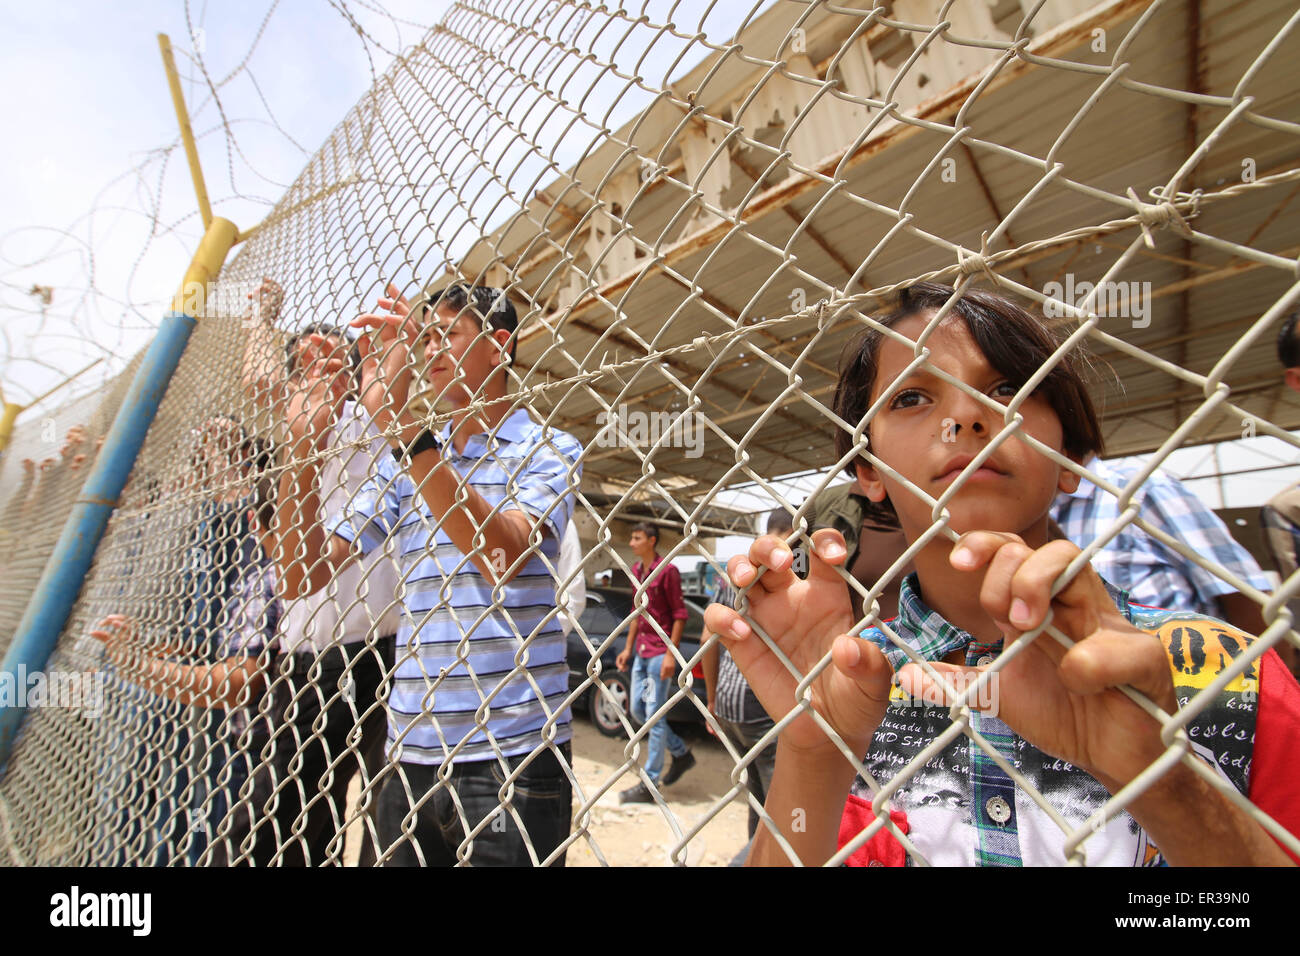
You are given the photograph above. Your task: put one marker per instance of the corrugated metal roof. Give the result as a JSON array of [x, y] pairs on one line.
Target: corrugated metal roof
[[1203, 300]]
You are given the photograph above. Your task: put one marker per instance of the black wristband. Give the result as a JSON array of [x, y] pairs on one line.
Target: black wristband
[[425, 441]]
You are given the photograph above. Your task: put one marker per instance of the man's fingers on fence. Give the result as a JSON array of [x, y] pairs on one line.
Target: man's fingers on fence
[[395, 300], [321, 347], [111, 627], [1030, 593], [1026, 607], [380, 322], [326, 368], [828, 552], [1112, 658], [975, 549]]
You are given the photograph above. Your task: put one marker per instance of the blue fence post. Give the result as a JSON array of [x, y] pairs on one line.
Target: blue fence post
[[55, 594]]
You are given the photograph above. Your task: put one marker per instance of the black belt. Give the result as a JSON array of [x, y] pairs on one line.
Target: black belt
[[332, 658]]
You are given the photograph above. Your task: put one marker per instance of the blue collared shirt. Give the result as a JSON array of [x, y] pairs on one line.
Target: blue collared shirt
[[1151, 572], [478, 672]]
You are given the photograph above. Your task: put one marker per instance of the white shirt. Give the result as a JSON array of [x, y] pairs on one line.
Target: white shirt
[[363, 597]]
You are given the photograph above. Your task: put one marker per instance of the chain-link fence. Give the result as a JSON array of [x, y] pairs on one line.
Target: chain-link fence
[[337, 616]]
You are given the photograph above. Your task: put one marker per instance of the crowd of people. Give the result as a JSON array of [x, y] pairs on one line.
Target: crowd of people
[[365, 597]]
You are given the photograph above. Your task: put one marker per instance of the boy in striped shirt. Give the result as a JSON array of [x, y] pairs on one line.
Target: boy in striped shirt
[[474, 515]]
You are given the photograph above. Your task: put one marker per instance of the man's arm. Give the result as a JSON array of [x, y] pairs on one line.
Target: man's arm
[[1068, 703], [1195, 825], [505, 532], [227, 683], [625, 657], [806, 802], [709, 664], [305, 555], [673, 589], [262, 372]]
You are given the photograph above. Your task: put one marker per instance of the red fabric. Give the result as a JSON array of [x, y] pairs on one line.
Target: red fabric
[[663, 601], [1274, 770], [883, 849]]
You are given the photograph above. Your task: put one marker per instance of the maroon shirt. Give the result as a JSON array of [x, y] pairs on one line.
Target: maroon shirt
[[663, 598]]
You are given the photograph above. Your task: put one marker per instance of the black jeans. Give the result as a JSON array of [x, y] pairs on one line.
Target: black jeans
[[543, 798], [295, 805]]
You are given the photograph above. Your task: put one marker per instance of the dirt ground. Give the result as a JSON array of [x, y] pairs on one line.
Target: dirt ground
[[640, 834]]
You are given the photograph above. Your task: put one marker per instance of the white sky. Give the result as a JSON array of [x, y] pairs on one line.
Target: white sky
[[87, 102]]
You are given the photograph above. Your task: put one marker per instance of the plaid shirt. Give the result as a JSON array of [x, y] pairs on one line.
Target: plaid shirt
[[962, 809], [735, 701], [1152, 573]]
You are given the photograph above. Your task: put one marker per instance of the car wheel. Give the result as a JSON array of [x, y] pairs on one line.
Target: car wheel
[[608, 704]]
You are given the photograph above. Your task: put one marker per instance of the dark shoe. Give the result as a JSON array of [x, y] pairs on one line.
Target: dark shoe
[[679, 766], [638, 794]]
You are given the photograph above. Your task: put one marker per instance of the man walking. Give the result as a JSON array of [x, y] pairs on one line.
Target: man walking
[[652, 665]]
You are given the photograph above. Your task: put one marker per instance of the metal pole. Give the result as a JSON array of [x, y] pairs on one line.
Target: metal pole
[[12, 410], [7, 417], [187, 134], [56, 592]]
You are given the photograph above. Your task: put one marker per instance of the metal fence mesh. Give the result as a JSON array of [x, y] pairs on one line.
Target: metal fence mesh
[[685, 286]]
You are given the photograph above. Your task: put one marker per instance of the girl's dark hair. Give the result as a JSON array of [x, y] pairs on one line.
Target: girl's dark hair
[[1015, 341]]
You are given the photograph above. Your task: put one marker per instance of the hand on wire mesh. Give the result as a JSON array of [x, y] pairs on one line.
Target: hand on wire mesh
[[118, 633], [114, 629], [390, 337], [806, 619], [266, 300], [1065, 702], [316, 392]]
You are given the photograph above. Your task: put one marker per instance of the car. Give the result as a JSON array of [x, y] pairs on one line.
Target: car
[[608, 696]]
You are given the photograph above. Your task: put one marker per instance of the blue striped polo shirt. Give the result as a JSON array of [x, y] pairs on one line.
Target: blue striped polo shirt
[[474, 669]]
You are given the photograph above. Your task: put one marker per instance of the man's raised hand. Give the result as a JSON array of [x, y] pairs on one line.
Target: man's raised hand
[[315, 393], [266, 301], [390, 335]]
